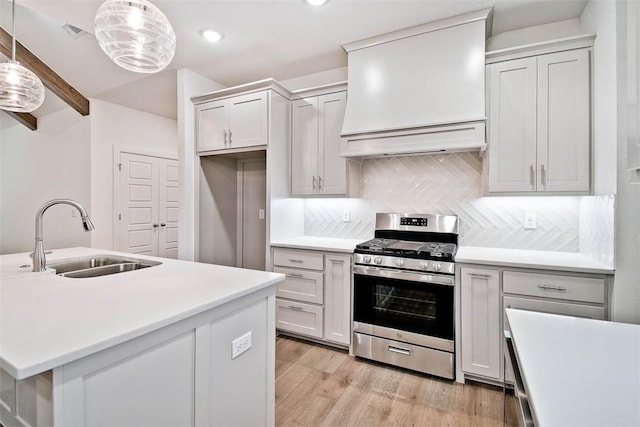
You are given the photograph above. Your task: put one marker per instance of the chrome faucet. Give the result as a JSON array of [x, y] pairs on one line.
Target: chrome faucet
[[39, 260]]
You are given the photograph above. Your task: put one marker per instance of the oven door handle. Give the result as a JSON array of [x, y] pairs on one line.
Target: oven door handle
[[436, 279]]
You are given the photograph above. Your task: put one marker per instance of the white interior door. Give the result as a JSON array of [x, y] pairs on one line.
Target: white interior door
[[252, 201], [138, 218], [168, 208]]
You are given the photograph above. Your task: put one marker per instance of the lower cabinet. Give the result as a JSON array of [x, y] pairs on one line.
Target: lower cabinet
[[183, 374], [315, 298], [481, 321], [485, 291]]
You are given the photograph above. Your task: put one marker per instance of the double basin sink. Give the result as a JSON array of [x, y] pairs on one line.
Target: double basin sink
[[100, 265]]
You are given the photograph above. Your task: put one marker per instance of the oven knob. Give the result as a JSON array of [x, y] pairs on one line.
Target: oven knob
[[437, 266], [377, 260], [400, 262], [367, 259], [424, 265]]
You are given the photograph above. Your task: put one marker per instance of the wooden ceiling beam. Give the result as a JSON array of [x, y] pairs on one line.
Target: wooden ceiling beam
[[50, 78], [26, 119]]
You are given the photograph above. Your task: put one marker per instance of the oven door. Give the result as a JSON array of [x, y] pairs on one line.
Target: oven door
[[412, 304]]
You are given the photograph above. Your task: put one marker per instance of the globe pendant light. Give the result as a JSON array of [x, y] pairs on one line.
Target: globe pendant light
[[135, 34], [21, 91]]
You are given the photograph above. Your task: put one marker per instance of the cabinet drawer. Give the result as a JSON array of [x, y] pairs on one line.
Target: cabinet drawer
[[552, 286], [301, 318], [298, 259], [301, 285], [554, 307]]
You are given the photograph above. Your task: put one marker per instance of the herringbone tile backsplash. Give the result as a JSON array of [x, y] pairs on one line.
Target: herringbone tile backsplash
[[452, 184]]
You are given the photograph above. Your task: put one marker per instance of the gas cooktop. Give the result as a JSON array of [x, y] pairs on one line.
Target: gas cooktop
[[408, 249]]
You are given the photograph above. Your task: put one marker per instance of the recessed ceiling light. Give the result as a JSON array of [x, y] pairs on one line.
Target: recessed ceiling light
[[211, 35], [316, 2]]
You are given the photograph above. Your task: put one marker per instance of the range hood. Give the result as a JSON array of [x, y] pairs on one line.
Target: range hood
[[418, 90]]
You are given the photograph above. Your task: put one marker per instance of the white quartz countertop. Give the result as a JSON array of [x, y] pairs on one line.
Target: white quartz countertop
[[47, 320], [330, 244], [578, 372], [549, 260]]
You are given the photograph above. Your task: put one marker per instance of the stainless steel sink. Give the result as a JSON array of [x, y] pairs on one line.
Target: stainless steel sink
[[99, 266]]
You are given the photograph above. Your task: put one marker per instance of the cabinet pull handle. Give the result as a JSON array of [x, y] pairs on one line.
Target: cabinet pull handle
[[155, 225], [399, 350], [319, 182], [552, 288], [484, 276], [532, 176], [294, 307], [543, 176], [230, 137], [314, 182], [294, 275], [162, 224], [225, 137], [295, 260]]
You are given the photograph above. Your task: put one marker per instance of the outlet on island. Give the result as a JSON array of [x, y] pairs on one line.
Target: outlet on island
[[240, 345]]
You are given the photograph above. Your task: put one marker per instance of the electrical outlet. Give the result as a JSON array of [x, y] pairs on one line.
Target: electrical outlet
[[529, 221], [260, 213], [240, 345], [346, 215]]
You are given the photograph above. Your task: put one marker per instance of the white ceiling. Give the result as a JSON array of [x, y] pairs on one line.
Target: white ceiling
[[263, 38]]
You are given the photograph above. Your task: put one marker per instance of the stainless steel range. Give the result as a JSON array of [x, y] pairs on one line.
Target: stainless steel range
[[403, 292]]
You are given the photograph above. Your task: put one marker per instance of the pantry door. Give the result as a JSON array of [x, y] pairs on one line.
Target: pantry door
[[147, 212]]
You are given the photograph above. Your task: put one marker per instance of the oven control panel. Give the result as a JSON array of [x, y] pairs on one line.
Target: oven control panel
[[415, 222], [405, 263]]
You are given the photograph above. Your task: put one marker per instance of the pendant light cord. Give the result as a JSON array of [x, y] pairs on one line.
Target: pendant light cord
[[13, 31]]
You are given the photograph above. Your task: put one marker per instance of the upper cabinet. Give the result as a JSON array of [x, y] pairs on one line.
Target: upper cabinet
[[316, 165], [539, 124], [235, 119]]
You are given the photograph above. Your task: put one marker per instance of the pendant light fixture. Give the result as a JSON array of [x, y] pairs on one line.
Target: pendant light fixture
[[21, 91], [135, 34]]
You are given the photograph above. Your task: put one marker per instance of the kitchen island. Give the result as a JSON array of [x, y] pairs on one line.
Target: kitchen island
[[577, 372], [145, 347]]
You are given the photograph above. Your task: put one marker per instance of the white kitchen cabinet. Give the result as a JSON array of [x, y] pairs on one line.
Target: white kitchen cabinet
[[233, 123], [316, 165], [314, 300], [481, 322], [180, 375], [337, 303], [539, 124]]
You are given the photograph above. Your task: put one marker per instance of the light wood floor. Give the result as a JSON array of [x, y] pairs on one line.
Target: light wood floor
[[321, 386]]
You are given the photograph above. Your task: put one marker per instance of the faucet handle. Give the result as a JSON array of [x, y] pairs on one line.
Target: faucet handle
[[46, 253]]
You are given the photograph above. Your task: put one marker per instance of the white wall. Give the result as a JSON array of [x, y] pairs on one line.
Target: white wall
[[190, 84], [37, 166], [626, 291], [537, 34], [316, 79], [115, 125], [600, 17]]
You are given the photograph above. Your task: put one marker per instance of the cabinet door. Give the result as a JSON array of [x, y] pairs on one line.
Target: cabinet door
[[337, 303], [481, 331], [248, 120], [332, 169], [212, 126], [563, 121], [304, 146], [512, 126], [168, 208]]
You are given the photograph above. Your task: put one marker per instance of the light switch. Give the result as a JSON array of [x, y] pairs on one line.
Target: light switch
[[261, 213]]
